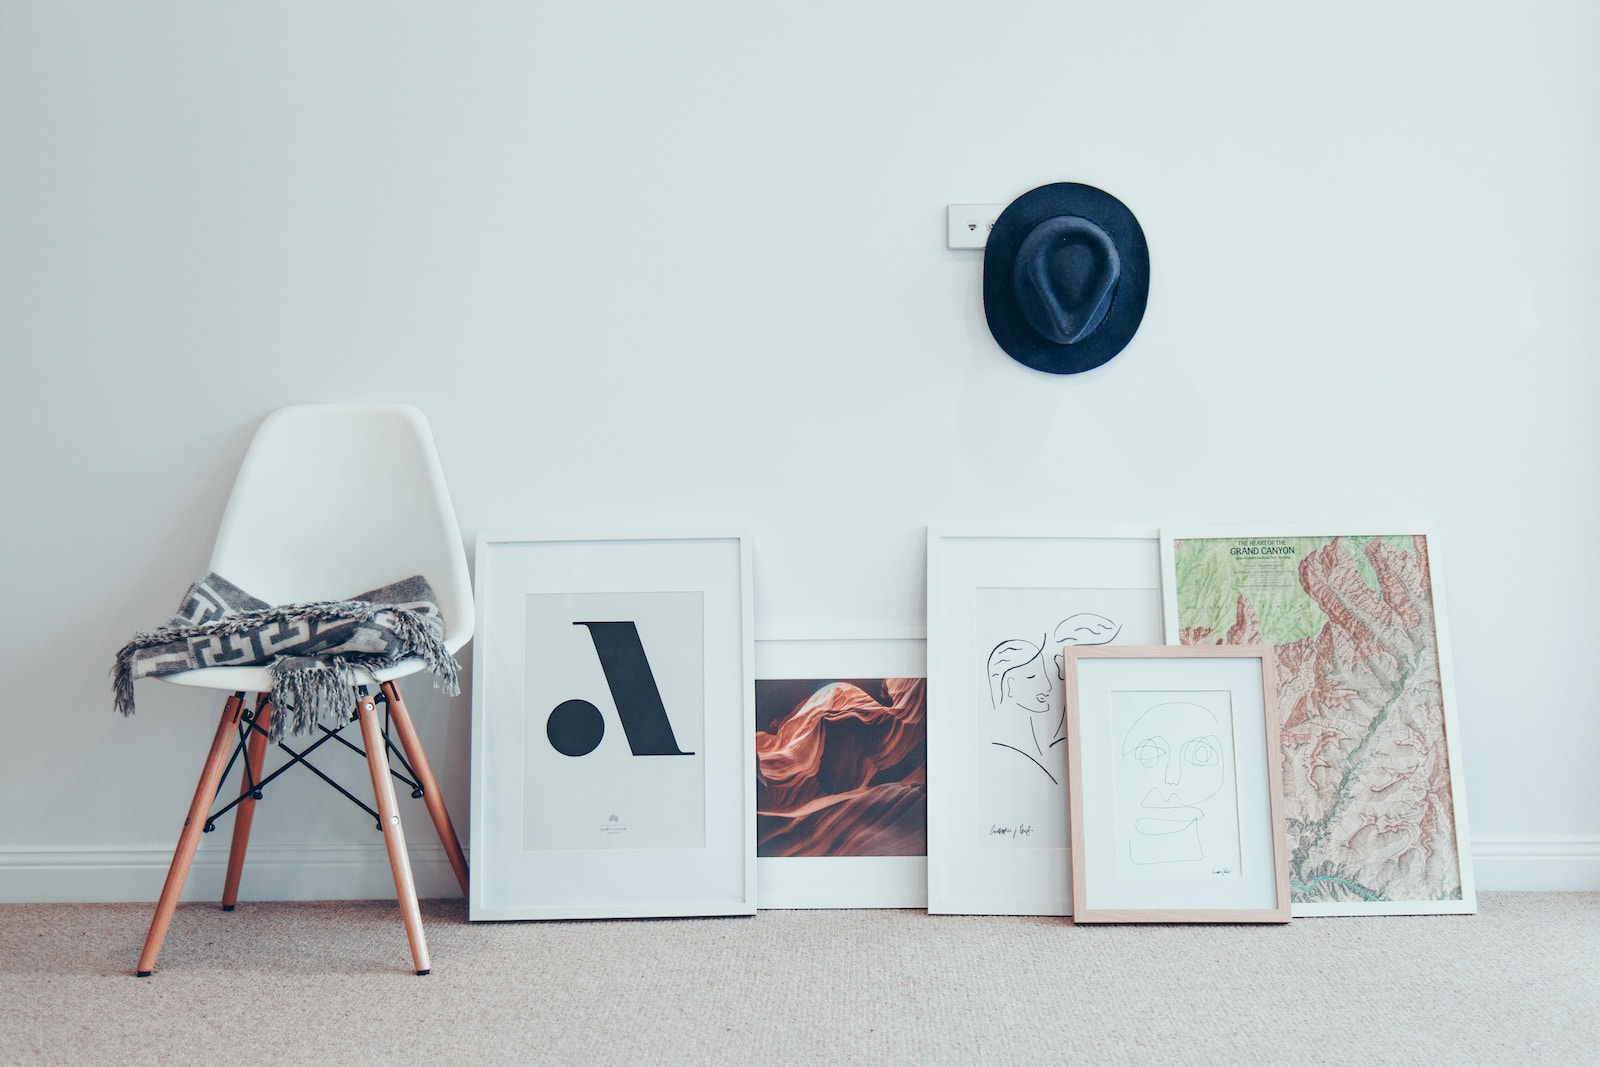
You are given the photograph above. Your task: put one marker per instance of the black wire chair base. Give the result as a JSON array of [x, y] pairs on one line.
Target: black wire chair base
[[254, 790]]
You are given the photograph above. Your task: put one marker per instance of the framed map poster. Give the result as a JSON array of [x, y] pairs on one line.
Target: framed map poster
[[1003, 604], [1374, 807], [612, 760], [841, 770]]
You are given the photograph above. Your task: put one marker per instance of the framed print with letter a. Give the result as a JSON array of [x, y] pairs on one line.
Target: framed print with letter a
[[1003, 604], [612, 755]]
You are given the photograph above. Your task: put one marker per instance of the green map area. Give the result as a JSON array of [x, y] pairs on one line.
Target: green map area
[[1213, 572]]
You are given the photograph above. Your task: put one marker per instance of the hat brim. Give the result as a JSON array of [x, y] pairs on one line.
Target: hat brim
[[1006, 322]]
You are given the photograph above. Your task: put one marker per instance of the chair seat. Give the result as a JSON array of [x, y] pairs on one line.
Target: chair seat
[[259, 679]]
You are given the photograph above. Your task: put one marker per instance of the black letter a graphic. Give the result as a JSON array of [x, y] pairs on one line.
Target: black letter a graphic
[[633, 687]]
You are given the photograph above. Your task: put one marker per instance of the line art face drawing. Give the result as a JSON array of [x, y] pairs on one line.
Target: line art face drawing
[[1175, 751], [1024, 678], [1020, 716], [1177, 815], [1019, 682]]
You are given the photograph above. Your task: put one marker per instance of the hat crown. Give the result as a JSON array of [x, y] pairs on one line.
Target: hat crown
[[1065, 276]]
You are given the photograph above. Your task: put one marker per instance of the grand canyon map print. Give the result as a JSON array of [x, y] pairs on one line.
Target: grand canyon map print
[[1369, 807]]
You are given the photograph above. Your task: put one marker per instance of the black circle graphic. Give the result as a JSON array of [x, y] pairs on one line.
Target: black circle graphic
[[575, 727]]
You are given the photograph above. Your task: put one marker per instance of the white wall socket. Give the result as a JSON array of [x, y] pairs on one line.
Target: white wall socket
[[969, 224]]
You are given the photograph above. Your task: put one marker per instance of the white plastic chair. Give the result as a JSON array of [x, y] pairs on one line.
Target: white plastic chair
[[291, 533]]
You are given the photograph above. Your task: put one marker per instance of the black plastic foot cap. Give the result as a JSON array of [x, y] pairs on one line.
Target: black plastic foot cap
[[141, 974], [421, 973], [228, 907]]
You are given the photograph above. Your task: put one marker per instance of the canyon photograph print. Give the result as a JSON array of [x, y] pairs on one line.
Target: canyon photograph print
[[841, 767]]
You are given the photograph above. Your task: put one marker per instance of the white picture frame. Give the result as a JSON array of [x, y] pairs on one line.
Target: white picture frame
[[840, 656], [612, 756], [1380, 852], [1177, 807], [998, 821]]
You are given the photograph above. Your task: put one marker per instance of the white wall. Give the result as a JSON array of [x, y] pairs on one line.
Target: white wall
[[681, 264]]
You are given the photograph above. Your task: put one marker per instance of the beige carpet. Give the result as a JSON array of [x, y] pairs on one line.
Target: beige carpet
[[332, 983]]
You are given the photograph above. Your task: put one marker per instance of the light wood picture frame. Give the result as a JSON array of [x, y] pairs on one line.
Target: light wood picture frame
[[1175, 785], [613, 764]]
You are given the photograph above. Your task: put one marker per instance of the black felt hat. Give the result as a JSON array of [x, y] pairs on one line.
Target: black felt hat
[[1066, 273]]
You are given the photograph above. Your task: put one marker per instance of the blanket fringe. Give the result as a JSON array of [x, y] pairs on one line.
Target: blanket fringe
[[304, 697]]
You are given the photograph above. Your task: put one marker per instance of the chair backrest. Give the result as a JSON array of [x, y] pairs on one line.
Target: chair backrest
[[335, 499]]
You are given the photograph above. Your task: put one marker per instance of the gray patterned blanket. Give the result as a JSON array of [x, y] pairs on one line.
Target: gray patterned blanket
[[311, 649]]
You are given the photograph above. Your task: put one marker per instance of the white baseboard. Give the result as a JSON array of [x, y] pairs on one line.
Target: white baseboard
[[361, 872], [1537, 863], [300, 872]]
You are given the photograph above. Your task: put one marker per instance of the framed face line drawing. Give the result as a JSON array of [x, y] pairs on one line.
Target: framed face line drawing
[[1004, 602], [1177, 805], [613, 763], [841, 753]]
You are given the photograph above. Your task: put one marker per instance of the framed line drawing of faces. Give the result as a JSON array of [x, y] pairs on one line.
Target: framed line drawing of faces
[[841, 769], [1004, 603], [612, 756], [1176, 786]]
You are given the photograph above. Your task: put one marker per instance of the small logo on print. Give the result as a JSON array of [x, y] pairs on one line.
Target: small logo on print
[[613, 826], [614, 819]]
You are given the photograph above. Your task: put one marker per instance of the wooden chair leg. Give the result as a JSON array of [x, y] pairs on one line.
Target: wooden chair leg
[[412, 746], [204, 794], [393, 836], [245, 814]]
